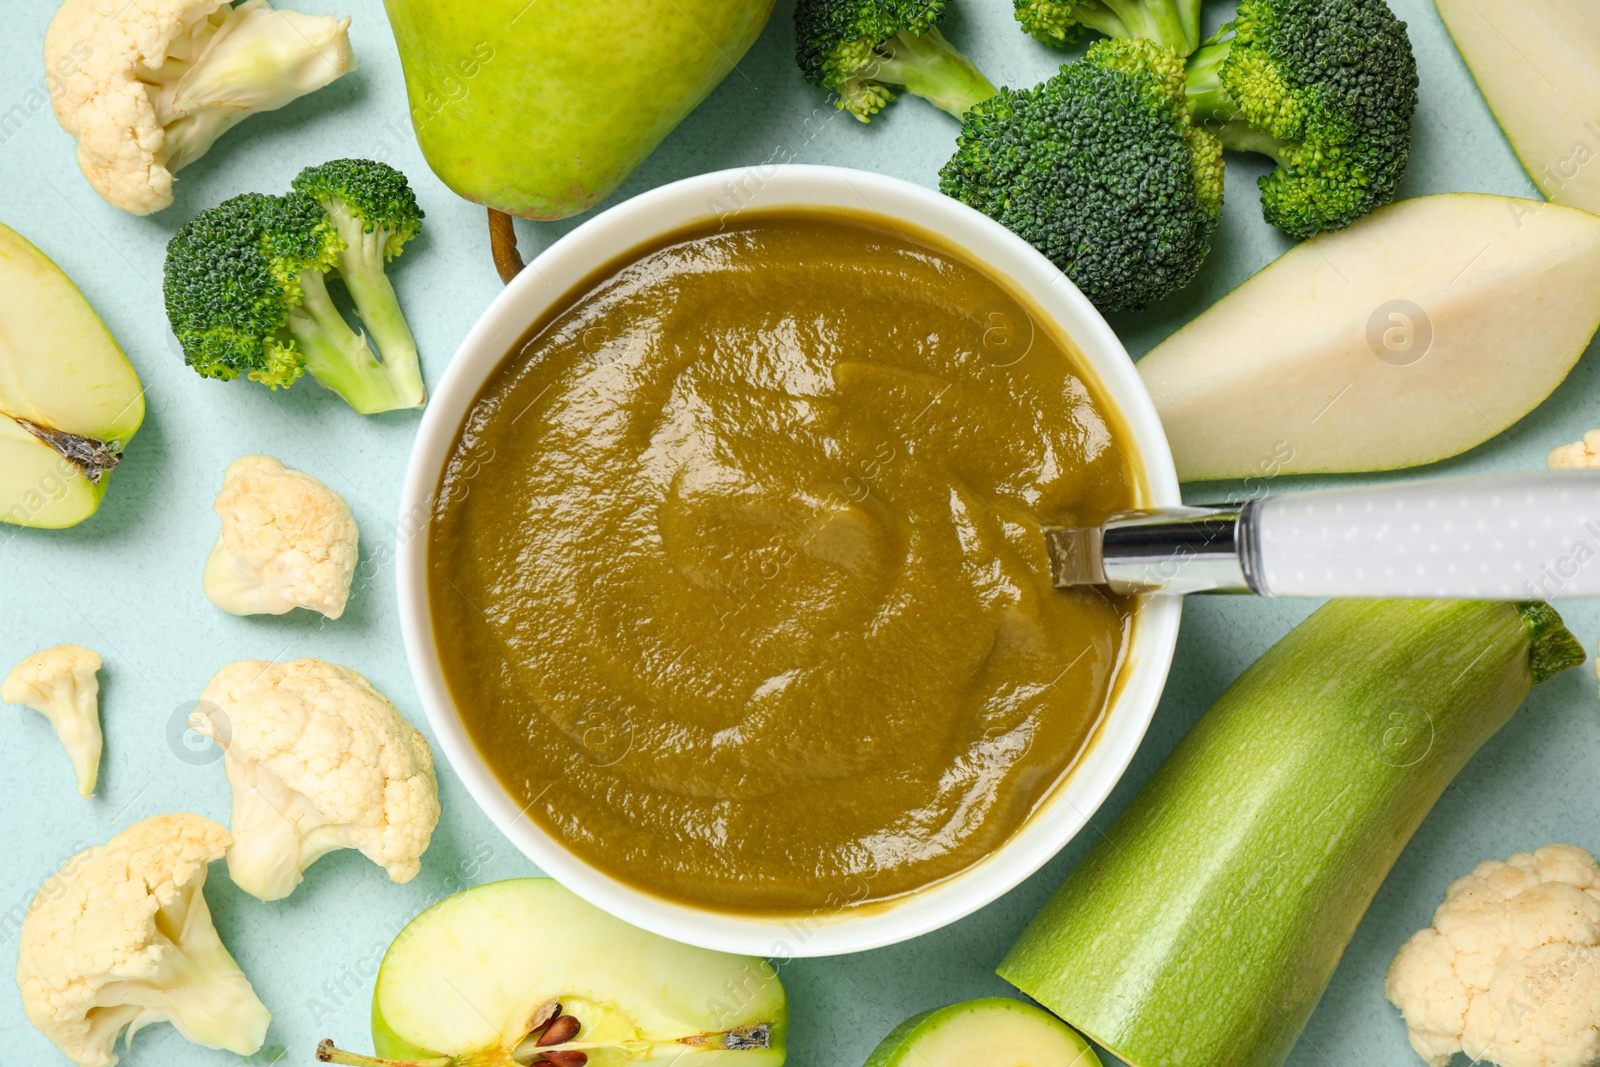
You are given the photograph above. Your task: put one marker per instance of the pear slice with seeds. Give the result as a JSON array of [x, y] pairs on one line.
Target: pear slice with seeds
[[69, 398]]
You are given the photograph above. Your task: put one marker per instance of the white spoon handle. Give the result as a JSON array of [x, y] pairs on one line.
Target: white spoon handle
[[1533, 535]]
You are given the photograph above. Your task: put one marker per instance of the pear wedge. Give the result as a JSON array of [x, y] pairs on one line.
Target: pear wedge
[[1538, 65], [69, 399], [1425, 329]]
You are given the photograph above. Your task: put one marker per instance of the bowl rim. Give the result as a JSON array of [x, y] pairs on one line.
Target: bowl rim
[[836, 928]]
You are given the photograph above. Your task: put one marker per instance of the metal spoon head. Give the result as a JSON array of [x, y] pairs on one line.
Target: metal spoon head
[[1075, 556], [1175, 550]]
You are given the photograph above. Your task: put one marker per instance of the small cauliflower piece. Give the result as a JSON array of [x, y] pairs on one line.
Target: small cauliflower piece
[[60, 684], [287, 542], [121, 937], [1579, 455], [1509, 972], [147, 86], [318, 760]]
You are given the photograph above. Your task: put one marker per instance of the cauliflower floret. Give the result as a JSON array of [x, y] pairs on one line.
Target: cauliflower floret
[[1509, 972], [60, 684], [287, 542], [318, 760], [146, 86], [121, 937], [1580, 455]]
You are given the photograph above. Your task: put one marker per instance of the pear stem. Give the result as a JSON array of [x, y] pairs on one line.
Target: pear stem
[[503, 246], [326, 1053]]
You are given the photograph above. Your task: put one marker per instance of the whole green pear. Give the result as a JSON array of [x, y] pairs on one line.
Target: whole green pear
[[540, 108]]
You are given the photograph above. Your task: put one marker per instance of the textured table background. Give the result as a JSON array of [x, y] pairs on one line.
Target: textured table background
[[127, 583]]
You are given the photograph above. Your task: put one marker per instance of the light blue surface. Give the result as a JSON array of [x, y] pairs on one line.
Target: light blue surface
[[127, 583]]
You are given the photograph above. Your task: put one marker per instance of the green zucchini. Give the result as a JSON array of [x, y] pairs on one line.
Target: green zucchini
[[1205, 924], [991, 1032]]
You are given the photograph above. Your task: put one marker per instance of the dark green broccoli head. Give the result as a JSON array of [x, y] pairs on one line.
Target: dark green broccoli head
[[837, 42], [1327, 88], [373, 194], [296, 236], [1100, 170], [230, 284], [1174, 23], [868, 50]]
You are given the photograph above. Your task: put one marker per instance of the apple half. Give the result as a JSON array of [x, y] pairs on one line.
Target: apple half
[[993, 1032], [523, 972], [69, 398], [1537, 63]]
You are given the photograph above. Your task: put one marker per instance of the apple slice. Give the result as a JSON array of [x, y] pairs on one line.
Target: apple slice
[[69, 398], [1538, 65], [1424, 329], [523, 972], [994, 1032]]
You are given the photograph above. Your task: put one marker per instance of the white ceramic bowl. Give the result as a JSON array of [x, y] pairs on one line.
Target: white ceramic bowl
[[829, 931]]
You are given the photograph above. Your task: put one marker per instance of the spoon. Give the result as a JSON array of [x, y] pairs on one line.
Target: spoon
[[1527, 536]]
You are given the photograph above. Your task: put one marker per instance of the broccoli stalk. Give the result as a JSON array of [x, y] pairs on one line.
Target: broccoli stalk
[[339, 358], [374, 213], [1326, 88], [1174, 23], [246, 294], [868, 50], [928, 65]]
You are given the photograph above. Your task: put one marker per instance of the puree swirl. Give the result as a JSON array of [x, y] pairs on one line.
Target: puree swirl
[[736, 568]]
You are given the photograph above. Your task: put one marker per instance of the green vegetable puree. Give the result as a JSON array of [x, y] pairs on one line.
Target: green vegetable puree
[[736, 569]]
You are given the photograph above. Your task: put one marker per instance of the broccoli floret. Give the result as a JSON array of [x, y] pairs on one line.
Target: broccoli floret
[[868, 50], [1100, 169], [1174, 23], [375, 213], [1324, 87], [246, 293]]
